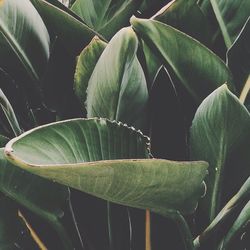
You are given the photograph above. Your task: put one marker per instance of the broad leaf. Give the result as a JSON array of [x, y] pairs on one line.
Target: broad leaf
[[219, 135], [73, 33], [231, 16], [187, 17], [23, 38], [61, 152], [106, 16], [238, 57], [10, 114], [198, 69], [25, 188], [85, 66], [117, 88]]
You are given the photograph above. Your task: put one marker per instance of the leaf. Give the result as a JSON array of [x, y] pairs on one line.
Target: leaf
[[238, 201], [198, 69], [238, 227], [238, 57], [23, 37], [10, 114], [74, 34], [160, 185], [187, 17], [13, 232], [25, 188], [231, 15], [85, 65], [219, 135], [117, 88], [106, 17]]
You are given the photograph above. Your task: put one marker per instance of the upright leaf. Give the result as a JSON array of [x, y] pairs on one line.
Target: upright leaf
[[187, 17], [198, 69], [160, 185], [23, 38], [219, 135], [231, 16], [85, 66], [107, 16], [74, 34], [117, 88]]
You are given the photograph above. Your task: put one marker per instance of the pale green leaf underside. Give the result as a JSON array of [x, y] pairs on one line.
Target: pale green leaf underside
[[198, 68], [61, 152], [24, 33], [219, 129]]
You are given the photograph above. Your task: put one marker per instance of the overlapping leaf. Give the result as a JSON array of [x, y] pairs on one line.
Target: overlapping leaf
[[62, 151], [198, 69], [117, 88], [219, 135], [107, 16]]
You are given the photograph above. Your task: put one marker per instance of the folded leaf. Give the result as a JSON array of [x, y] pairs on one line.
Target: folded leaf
[[61, 151], [117, 88], [219, 135], [85, 66], [198, 69], [23, 38]]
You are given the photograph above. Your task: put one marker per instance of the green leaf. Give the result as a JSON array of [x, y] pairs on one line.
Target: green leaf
[[219, 135], [13, 232], [238, 227], [238, 201], [23, 37], [25, 188], [9, 113], [238, 57], [106, 17], [187, 17], [231, 15], [117, 88], [73, 33], [85, 66], [61, 151], [198, 69]]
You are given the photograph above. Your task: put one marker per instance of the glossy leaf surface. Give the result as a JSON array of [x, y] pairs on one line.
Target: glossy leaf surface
[[63, 154], [219, 133]]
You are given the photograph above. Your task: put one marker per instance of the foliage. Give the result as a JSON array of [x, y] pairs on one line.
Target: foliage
[[111, 108]]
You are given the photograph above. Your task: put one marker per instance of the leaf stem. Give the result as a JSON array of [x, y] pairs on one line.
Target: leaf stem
[[110, 232], [245, 90], [147, 231]]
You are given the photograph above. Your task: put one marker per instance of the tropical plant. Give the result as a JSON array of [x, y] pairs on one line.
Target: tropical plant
[[124, 128]]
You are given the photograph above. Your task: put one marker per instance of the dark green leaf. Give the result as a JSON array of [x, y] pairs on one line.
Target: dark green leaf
[[61, 152], [219, 135], [106, 16], [23, 38], [74, 34], [187, 17], [85, 66], [117, 88], [198, 69], [231, 15]]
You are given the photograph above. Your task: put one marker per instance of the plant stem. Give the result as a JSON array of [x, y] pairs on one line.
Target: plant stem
[[111, 243], [147, 231], [245, 90]]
